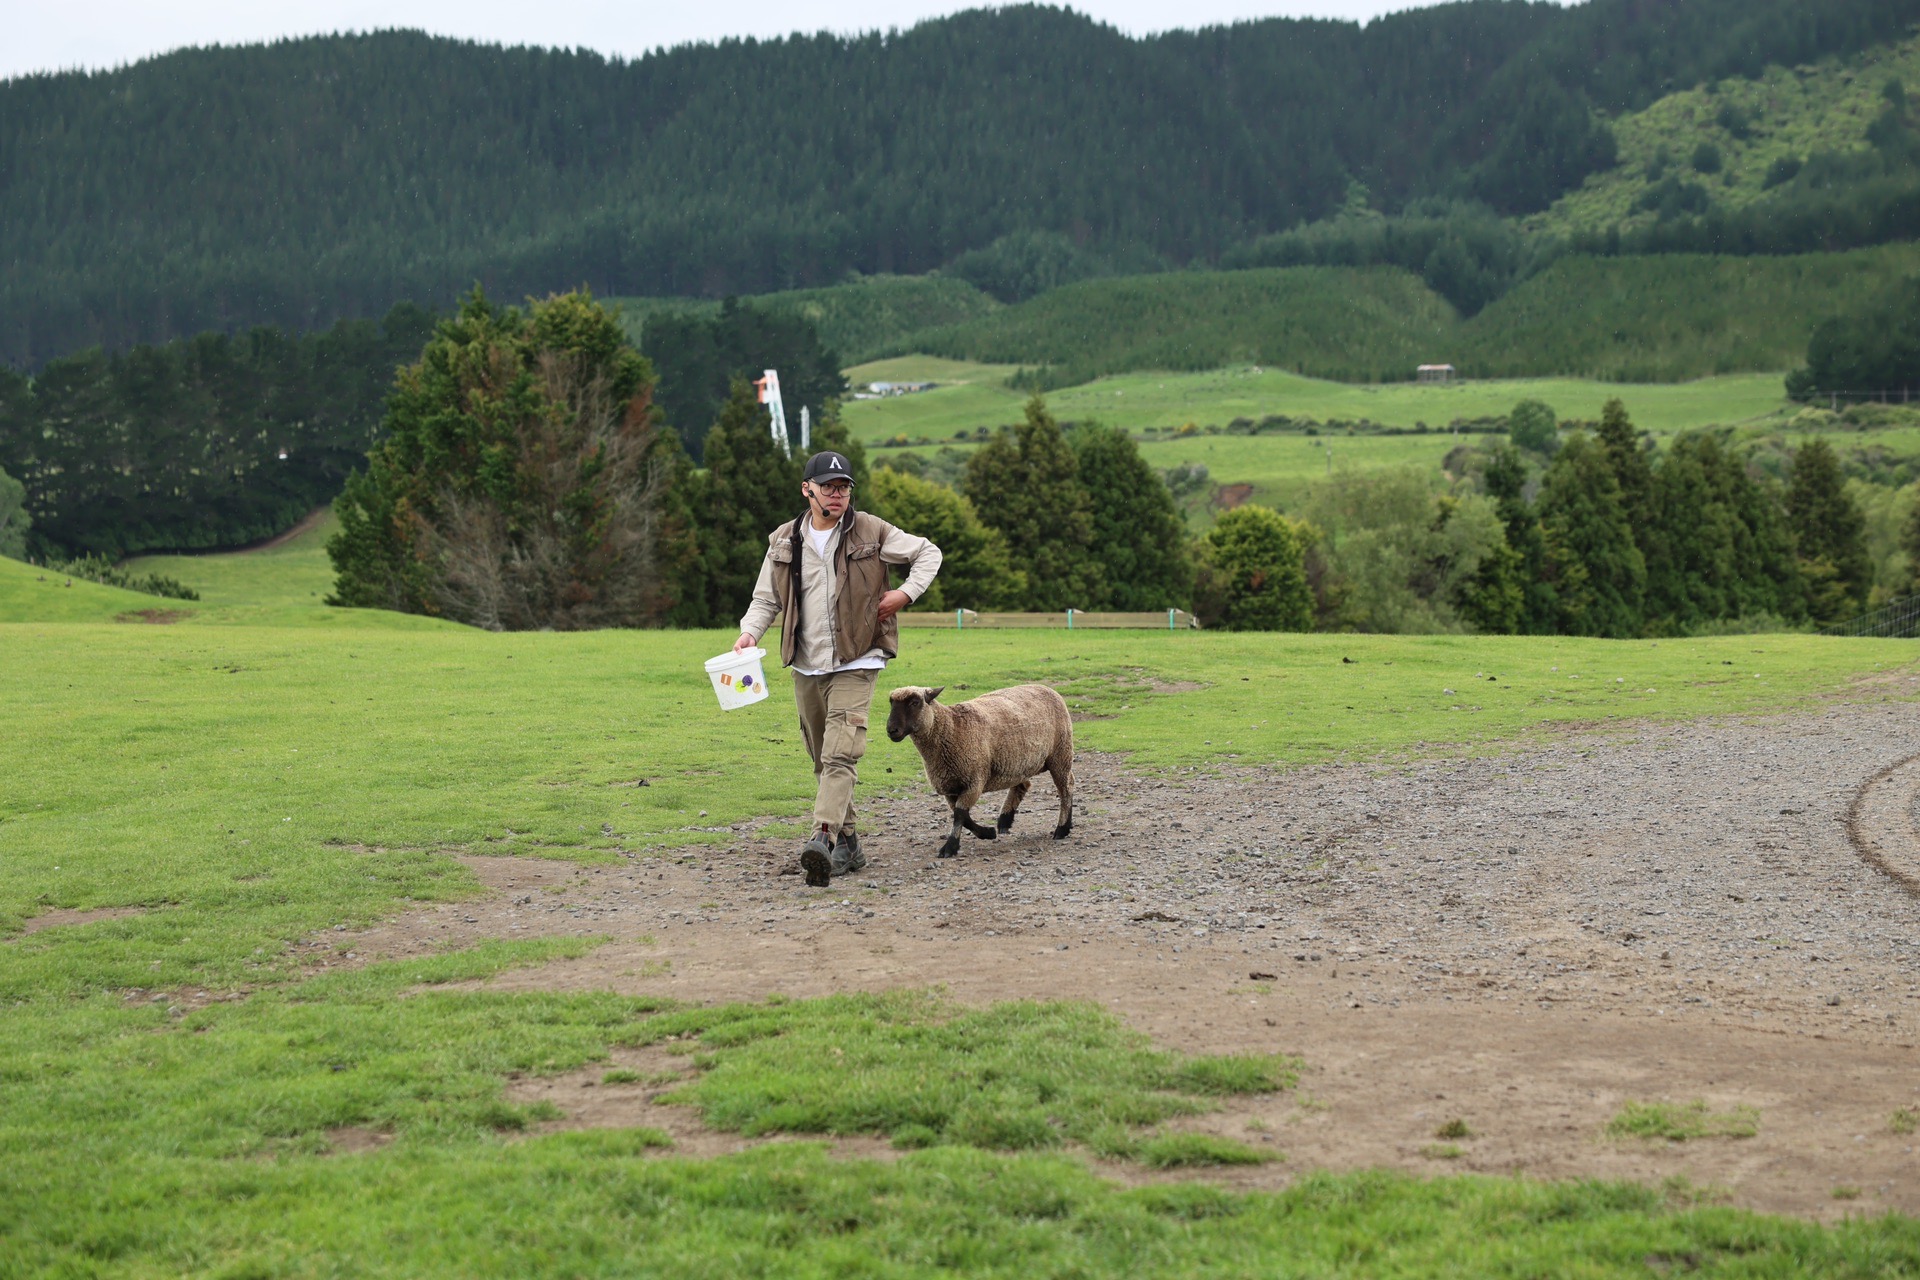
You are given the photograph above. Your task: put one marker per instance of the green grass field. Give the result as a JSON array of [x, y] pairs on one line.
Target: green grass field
[[243, 787], [972, 396]]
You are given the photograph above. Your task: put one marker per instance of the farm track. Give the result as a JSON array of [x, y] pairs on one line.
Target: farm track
[[1884, 826], [1524, 941]]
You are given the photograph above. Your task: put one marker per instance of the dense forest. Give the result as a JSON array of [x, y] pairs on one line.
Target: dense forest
[[301, 182], [207, 442]]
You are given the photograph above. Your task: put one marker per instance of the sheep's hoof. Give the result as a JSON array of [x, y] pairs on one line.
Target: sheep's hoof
[[1004, 823], [1060, 832], [951, 847]]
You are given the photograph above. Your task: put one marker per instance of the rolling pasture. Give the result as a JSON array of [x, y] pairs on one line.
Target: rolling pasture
[[1281, 465], [202, 1075]]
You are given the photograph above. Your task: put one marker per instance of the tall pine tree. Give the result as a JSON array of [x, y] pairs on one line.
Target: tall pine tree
[[1830, 533], [1138, 534], [751, 488], [1025, 482], [1592, 559], [1506, 483]]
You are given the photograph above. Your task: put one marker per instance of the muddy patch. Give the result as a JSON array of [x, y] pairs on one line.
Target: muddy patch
[[155, 617], [62, 918]]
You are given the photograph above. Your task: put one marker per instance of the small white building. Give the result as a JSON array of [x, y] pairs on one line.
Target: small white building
[[1435, 373]]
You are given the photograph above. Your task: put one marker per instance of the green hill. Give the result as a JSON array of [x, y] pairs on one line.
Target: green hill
[[1656, 318], [859, 319], [1670, 317], [1752, 125], [301, 181], [1361, 325]]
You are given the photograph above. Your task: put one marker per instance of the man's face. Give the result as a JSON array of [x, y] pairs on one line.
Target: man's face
[[832, 495]]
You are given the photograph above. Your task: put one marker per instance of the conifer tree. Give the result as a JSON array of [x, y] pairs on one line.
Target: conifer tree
[[831, 432], [1025, 483], [519, 483], [1591, 556], [1830, 535], [1627, 453], [14, 521], [1506, 483], [1138, 534], [751, 488], [1716, 545]]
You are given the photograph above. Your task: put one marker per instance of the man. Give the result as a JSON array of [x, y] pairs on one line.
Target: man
[[826, 572]]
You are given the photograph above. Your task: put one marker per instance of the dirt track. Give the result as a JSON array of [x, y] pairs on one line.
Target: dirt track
[[1722, 911]]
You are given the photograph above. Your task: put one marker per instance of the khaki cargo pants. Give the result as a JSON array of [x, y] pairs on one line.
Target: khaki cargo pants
[[833, 723]]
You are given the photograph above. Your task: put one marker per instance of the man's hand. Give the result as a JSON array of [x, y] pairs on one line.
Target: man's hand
[[893, 602], [746, 641]]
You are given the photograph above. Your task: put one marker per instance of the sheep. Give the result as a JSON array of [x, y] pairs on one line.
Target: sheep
[[998, 740]]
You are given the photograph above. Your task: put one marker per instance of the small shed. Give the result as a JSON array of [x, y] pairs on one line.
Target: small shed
[[1435, 373]]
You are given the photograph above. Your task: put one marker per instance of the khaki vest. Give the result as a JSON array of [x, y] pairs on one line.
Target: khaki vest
[[860, 576]]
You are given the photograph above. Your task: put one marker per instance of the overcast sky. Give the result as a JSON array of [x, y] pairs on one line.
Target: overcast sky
[[106, 33]]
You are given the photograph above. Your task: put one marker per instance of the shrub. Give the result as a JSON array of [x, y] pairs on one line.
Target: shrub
[[103, 571], [1532, 425], [975, 572], [1251, 573]]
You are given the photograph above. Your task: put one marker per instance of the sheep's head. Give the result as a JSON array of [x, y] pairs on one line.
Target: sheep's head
[[908, 714]]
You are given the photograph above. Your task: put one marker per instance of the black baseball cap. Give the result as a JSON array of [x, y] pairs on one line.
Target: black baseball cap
[[827, 466]]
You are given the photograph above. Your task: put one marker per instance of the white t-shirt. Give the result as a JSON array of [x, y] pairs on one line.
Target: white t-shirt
[[868, 662]]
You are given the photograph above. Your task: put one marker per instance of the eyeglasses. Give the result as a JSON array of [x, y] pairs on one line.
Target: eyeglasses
[[839, 490]]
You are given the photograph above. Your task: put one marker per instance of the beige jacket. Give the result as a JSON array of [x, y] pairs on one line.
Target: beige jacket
[[838, 604]]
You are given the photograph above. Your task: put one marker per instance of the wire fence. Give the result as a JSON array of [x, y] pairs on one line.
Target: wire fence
[[1897, 619], [1836, 400]]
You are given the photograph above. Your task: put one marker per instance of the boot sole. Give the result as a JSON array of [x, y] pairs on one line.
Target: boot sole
[[818, 866]]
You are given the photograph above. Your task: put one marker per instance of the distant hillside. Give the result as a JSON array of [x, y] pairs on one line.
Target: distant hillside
[[306, 180], [1671, 317], [857, 320], [1660, 318], [1753, 135], [1353, 324]]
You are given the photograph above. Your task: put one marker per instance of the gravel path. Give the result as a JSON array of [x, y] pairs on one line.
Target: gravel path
[[1717, 910]]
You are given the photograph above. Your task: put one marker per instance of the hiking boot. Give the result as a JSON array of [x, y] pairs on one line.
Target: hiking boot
[[817, 860], [846, 854]]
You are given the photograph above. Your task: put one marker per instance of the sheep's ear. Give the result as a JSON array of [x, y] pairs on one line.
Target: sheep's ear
[[934, 693]]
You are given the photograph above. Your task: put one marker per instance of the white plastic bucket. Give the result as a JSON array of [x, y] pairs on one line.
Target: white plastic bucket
[[738, 680]]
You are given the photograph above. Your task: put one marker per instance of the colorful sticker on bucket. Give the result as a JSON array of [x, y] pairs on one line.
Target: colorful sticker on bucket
[[746, 682]]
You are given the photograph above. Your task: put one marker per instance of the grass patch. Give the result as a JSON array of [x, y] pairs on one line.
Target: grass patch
[[1682, 1121], [598, 1203], [913, 1067], [1198, 1151], [1903, 1120], [1442, 1151], [1455, 1128]]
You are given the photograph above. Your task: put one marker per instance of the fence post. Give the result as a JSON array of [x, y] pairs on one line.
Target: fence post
[[1069, 619], [959, 619], [1170, 614]]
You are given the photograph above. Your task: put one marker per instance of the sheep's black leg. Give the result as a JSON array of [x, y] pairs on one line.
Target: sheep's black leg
[[1063, 783], [951, 845], [1015, 795], [966, 820]]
